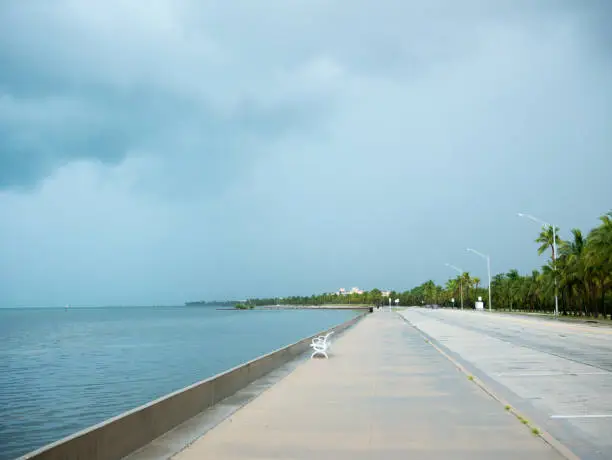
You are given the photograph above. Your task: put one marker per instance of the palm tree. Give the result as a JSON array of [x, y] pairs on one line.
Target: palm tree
[[546, 240], [572, 269], [454, 287], [512, 284], [600, 243], [533, 290], [599, 259], [549, 238], [547, 282], [467, 282], [476, 282], [429, 291]]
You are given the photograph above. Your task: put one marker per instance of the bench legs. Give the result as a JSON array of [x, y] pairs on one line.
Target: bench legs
[[319, 352]]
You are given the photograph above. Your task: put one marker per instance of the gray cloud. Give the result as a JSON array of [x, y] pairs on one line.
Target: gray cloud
[[287, 147], [100, 80], [74, 89]]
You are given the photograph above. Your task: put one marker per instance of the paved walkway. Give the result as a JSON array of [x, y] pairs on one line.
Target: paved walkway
[[384, 393]]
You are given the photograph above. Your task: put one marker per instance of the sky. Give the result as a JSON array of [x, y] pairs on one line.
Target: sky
[[157, 152]]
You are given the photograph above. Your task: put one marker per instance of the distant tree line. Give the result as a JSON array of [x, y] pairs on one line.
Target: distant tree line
[[580, 274], [217, 303]]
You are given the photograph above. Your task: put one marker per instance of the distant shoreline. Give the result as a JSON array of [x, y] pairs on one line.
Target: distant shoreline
[[303, 307]]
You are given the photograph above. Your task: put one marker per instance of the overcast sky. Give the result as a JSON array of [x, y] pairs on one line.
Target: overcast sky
[[162, 151]]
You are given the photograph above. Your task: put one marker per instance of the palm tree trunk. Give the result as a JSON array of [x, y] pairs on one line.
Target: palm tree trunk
[[603, 297], [595, 307]]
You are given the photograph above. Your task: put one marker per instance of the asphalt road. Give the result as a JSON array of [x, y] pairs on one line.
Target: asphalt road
[[557, 373]]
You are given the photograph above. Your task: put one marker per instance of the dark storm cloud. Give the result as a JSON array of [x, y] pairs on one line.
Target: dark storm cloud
[[123, 93], [67, 93]]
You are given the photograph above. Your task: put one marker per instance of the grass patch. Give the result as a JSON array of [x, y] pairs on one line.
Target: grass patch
[[525, 422]]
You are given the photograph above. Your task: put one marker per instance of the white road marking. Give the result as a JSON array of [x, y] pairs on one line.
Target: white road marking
[[549, 374], [583, 416]]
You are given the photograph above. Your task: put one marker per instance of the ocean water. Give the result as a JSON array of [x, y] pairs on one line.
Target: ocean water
[[64, 370]]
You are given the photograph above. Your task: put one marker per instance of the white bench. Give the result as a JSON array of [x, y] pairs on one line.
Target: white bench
[[321, 344]]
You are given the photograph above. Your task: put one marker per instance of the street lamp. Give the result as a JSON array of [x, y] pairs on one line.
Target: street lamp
[[458, 270], [488, 259], [554, 255]]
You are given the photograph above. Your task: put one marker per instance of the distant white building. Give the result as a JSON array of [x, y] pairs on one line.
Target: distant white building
[[354, 290], [385, 293]]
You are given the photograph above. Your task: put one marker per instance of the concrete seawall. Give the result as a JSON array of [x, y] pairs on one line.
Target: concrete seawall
[[120, 436]]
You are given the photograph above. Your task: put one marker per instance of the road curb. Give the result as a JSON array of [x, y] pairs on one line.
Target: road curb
[[561, 448]]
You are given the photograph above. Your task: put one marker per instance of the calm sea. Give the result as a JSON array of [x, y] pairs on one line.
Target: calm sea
[[64, 370]]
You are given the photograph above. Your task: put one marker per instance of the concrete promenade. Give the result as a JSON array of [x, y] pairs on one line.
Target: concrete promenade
[[558, 374], [384, 393]]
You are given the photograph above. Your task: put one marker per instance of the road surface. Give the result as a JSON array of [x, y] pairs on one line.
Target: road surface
[[557, 373]]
